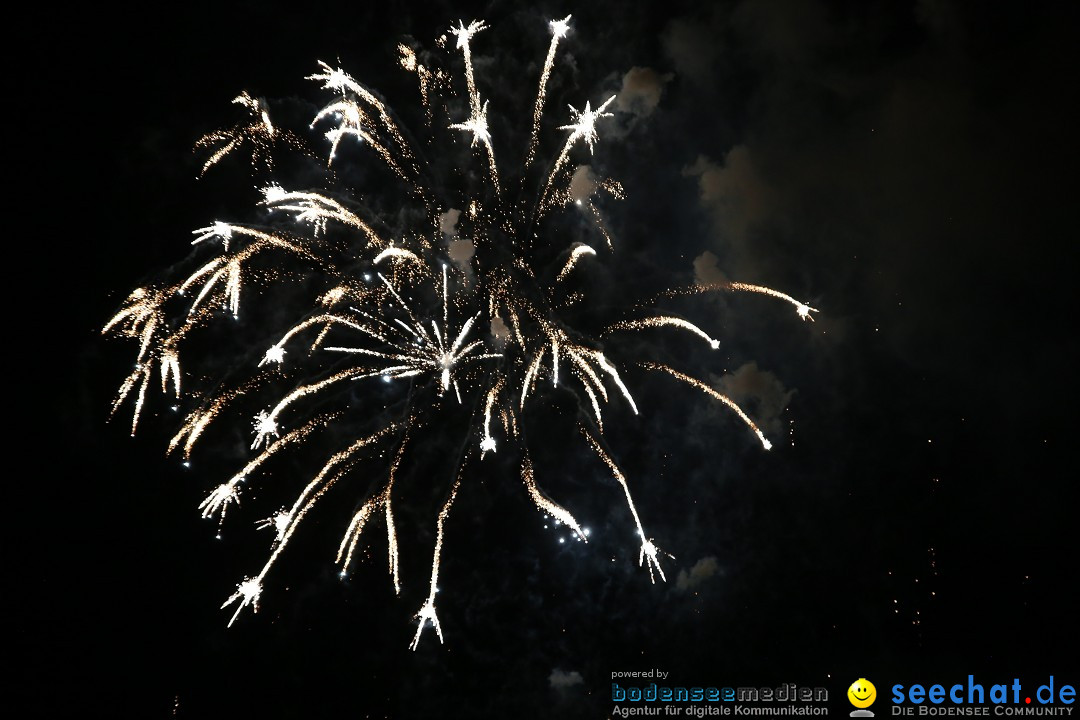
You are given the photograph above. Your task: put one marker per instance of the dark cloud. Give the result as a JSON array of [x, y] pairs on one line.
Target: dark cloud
[[448, 222], [641, 91], [692, 47], [759, 392], [707, 272], [582, 184], [739, 202], [690, 579], [461, 253], [562, 679]]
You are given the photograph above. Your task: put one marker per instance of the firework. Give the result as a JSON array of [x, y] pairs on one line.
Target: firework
[[559, 28], [396, 303]]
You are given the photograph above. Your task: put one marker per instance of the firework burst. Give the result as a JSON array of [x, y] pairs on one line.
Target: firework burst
[[384, 304]]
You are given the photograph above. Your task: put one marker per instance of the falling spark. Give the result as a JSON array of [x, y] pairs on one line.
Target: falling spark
[[425, 77], [464, 35], [543, 503], [426, 615], [694, 382], [388, 300], [648, 549], [259, 131], [802, 309], [576, 254], [665, 321]]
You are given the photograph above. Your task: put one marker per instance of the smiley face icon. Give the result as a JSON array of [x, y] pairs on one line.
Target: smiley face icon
[[862, 693]]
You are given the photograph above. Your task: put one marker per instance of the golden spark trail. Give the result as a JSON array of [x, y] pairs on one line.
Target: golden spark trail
[[543, 504], [477, 122], [266, 422], [600, 225], [248, 590], [464, 35], [318, 210], [648, 549], [258, 131], [196, 423], [664, 321], [487, 443], [559, 28], [423, 76], [801, 308], [276, 353], [337, 79], [575, 255], [360, 518], [426, 614], [714, 394], [218, 501]]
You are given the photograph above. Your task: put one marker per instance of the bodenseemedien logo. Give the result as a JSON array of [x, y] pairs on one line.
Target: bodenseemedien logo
[[674, 700], [862, 694]]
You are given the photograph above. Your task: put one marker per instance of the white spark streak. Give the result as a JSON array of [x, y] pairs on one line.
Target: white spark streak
[[559, 28]]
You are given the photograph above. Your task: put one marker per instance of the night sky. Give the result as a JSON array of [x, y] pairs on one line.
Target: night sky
[[906, 168]]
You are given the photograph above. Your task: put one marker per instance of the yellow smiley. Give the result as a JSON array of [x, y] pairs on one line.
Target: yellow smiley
[[862, 693]]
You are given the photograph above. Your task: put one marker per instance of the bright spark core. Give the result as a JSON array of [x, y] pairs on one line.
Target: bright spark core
[[218, 229], [247, 594], [280, 521], [275, 355], [477, 125], [397, 336], [464, 33], [585, 125], [559, 28], [265, 426]]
